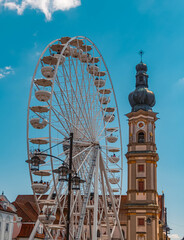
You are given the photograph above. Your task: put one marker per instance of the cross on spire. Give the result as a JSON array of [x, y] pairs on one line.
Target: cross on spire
[[141, 52]]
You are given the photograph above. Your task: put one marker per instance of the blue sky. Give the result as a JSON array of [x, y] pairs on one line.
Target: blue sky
[[120, 29]]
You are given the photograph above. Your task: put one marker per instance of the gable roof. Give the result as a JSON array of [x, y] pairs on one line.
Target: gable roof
[[6, 206]]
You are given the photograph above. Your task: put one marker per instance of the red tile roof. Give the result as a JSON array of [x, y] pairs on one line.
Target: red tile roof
[[26, 231]]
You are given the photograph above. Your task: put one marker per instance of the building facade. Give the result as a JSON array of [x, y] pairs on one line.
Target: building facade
[[10, 223]]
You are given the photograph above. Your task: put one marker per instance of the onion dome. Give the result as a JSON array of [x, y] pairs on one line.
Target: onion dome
[[141, 97], [141, 67]]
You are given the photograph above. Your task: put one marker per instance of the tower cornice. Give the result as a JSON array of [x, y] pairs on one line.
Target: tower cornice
[[143, 154], [143, 113]]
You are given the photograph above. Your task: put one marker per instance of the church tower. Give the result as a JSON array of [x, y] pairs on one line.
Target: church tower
[[142, 196]]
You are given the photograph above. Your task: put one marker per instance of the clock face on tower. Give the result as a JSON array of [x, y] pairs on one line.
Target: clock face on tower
[[140, 125]]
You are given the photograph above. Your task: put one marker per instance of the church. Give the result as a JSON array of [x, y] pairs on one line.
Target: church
[[143, 211]]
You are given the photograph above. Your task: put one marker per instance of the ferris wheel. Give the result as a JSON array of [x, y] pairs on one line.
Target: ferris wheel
[[74, 136]]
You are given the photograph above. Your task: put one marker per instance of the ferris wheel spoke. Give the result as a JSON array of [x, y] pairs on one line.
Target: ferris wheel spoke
[[87, 92], [87, 98], [61, 109], [79, 167], [83, 174], [82, 151], [59, 119], [62, 133], [98, 109], [62, 98], [41, 117], [70, 82], [99, 122], [63, 153], [67, 96], [84, 171], [69, 122], [81, 98], [78, 117]]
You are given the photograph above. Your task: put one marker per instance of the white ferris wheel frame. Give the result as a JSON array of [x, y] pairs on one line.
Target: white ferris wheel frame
[[50, 140]]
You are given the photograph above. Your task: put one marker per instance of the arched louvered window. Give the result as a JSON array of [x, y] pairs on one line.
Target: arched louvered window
[[141, 137]]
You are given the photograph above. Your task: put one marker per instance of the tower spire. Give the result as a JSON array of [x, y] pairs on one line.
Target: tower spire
[[141, 53]]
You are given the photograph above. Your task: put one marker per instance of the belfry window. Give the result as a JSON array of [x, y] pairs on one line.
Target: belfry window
[[141, 137]]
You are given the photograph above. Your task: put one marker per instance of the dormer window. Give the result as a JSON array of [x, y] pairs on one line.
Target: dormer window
[[141, 137]]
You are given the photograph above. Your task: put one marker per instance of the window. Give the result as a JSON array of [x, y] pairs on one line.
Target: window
[[141, 222], [141, 137], [1, 220], [141, 186], [140, 168], [7, 227]]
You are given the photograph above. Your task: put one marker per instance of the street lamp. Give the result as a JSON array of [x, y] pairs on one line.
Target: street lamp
[[63, 172], [76, 181], [35, 161]]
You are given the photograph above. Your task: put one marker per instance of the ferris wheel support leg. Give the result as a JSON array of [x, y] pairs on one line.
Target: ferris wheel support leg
[[31, 237], [112, 200], [105, 203], [95, 216]]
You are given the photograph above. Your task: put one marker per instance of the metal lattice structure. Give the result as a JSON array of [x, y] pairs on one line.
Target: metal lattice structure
[[71, 91]]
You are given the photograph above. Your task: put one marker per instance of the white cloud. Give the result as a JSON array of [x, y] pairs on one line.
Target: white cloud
[[6, 71], [45, 6], [181, 81], [8, 68], [1, 75], [174, 236]]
